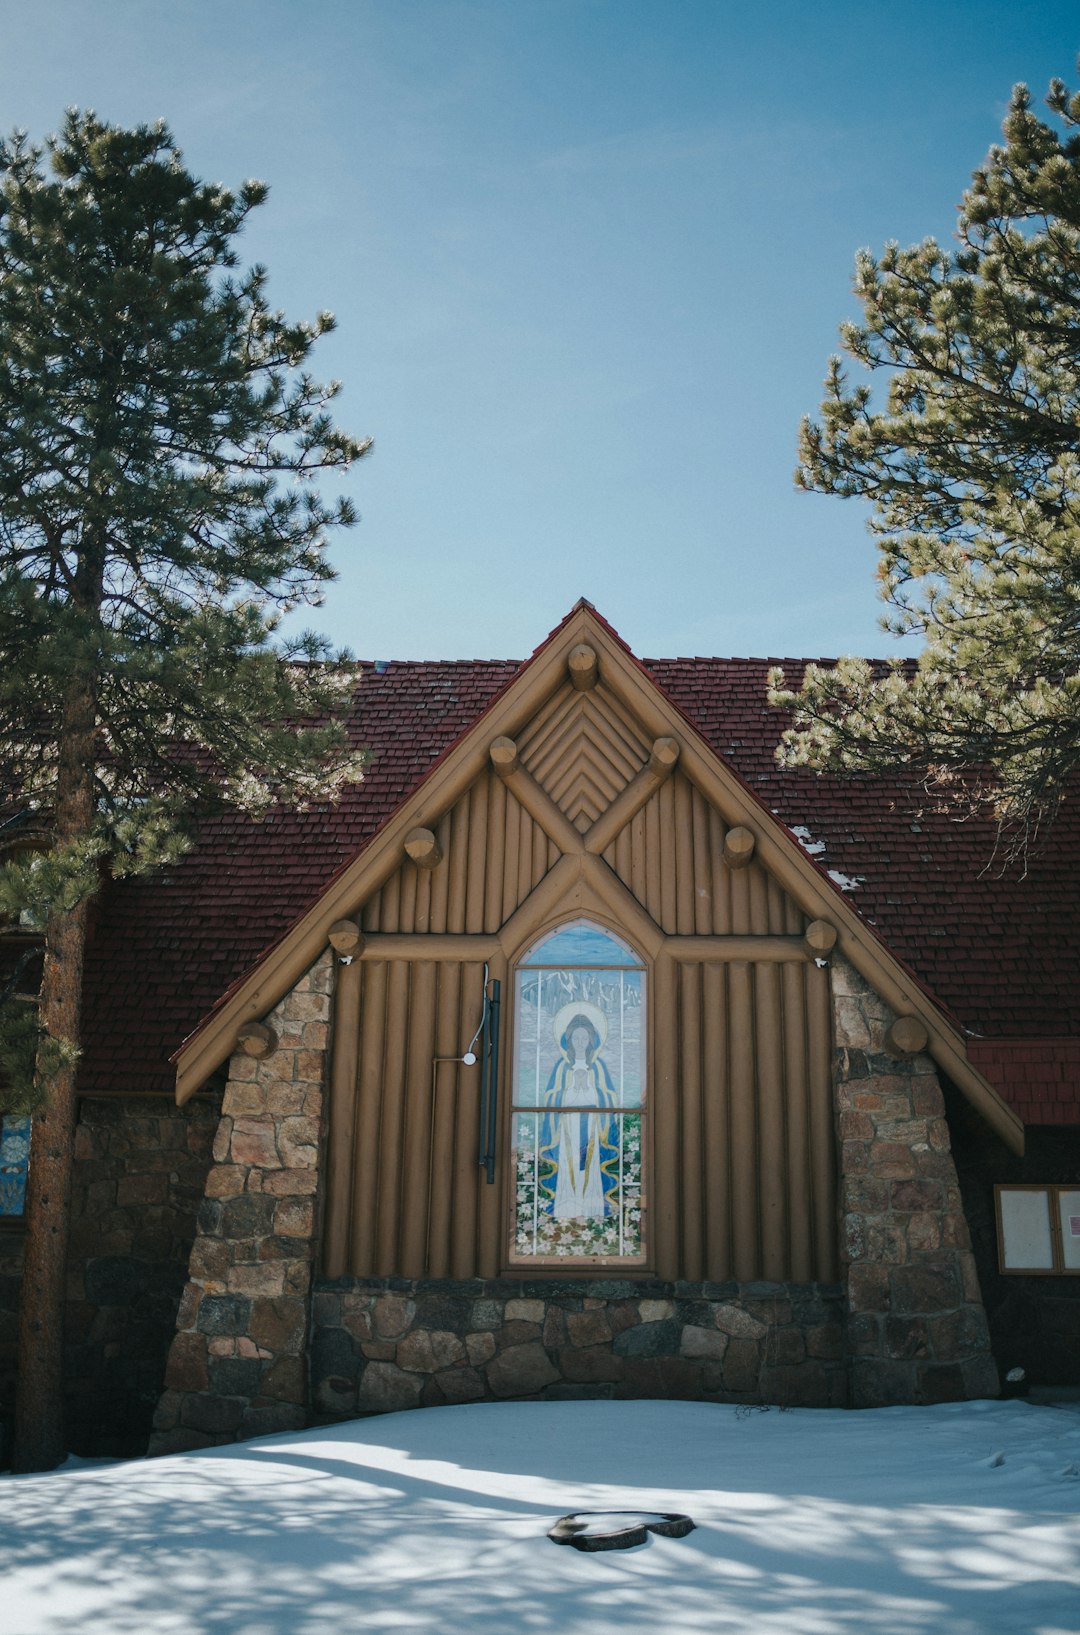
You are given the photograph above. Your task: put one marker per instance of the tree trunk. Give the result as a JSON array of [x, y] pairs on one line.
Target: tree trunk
[[39, 1405]]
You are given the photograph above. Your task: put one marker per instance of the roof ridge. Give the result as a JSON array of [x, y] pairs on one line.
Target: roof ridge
[[655, 658]]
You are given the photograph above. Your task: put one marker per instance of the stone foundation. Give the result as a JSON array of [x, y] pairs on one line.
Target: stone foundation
[[381, 1344], [916, 1328]]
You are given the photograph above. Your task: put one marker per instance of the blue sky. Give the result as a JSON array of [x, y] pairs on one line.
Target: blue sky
[[588, 259]]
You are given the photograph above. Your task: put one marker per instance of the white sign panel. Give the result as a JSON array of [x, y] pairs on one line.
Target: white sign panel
[[1026, 1240]]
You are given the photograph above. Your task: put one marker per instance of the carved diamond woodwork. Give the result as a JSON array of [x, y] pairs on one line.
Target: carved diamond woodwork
[[583, 749]]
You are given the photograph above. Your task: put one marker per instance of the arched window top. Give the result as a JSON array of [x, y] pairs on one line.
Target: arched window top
[[580, 943]]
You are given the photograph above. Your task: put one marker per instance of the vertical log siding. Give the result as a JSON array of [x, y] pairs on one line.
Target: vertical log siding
[[742, 1179]]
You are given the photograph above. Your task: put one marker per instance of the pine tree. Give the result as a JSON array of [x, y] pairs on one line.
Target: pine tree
[[972, 466], [160, 505]]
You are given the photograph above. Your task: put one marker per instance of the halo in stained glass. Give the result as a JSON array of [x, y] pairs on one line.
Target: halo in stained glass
[[580, 943]]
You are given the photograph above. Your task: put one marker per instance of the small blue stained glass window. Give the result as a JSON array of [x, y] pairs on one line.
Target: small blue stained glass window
[[14, 1163], [581, 943]]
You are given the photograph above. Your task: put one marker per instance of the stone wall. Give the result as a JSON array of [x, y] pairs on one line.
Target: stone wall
[[386, 1343], [237, 1366], [140, 1172], [916, 1327]]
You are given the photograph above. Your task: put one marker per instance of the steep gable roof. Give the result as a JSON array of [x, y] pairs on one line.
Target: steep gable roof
[[991, 948]]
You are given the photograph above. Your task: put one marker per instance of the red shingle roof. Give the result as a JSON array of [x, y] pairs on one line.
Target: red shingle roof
[[996, 948], [1039, 1079]]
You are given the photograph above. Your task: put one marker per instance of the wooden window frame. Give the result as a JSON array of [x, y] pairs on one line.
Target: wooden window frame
[[577, 1266], [1052, 1190]]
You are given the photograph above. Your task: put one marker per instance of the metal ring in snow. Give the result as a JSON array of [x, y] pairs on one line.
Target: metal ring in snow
[[593, 1529]]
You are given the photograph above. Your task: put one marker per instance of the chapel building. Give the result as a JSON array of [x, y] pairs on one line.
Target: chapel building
[[578, 1051]]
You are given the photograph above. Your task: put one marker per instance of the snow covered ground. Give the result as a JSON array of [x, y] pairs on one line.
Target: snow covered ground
[[902, 1521]]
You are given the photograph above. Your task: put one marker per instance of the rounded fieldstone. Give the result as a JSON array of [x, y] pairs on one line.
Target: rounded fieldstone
[[585, 1328], [525, 1311], [236, 1376], [486, 1314], [648, 1340], [186, 1368], [447, 1349], [461, 1384], [385, 1388], [940, 1382], [928, 1287], [269, 1418], [480, 1347], [217, 1415], [959, 1334], [332, 1352], [334, 1396], [785, 1347], [115, 1280], [393, 1315], [182, 1439], [223, 1314], [590, 1365], [285, 1380], [278, 1324], [521, 1371], [414, 1353], [703, 1342], [249, 1216], [738, 1323], [876, 1384], [742, 1362], [449, 1313], [208, 1220]]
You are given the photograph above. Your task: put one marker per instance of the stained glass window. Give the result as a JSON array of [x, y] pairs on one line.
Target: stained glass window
[[20, 978], [14, 1160], [579, 1099]]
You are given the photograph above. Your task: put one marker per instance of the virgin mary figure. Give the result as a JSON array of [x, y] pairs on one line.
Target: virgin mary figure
[[579, 1147]]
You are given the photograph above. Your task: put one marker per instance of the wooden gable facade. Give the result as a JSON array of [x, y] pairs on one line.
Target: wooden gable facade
[[798, 1233], [583, 815]]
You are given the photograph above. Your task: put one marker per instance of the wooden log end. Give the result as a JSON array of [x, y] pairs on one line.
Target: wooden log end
[[665, 753], [256, 1039], [584, 667], [423, 847], [346, 938], [819, 939], [906, 1037], [504, 756], [739, 846]]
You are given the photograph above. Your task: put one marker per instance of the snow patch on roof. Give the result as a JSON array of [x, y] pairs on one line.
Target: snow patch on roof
[[806, 840], [846, 882]]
